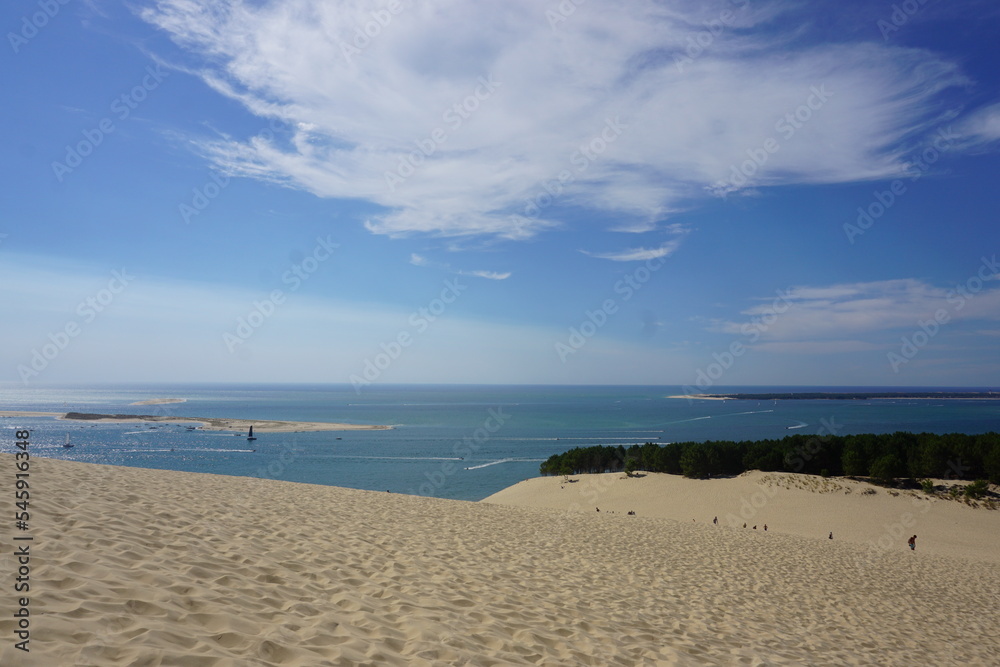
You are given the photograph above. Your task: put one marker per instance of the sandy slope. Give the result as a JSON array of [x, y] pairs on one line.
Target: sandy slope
[[143, 567], [881, 520]]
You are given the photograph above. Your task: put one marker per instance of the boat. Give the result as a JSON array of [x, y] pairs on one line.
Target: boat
[[67, 444], [250, 436]]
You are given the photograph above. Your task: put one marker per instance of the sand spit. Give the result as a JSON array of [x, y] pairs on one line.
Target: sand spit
[[144, 567], [207, 423], [701, 397], [27, 413], [840, 396], [160, 401]]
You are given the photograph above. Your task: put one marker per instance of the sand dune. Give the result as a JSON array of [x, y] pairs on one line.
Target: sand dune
[[879, 519], [143, 567]]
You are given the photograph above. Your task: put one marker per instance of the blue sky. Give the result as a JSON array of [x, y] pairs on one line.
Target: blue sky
[[691, 193]]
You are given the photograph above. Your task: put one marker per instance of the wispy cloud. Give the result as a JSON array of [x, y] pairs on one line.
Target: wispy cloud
[[453, 128], [420, 260], [665, 249], [830, 318], [983, 126], [637, 254]]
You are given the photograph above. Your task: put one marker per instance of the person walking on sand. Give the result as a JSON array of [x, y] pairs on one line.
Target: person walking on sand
[[715, 520], [913, 543], [831, 535]]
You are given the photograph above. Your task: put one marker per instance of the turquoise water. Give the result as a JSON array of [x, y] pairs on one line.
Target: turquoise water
[[454, 441]]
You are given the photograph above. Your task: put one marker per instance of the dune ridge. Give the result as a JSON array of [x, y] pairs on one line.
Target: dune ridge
[[153, 567]]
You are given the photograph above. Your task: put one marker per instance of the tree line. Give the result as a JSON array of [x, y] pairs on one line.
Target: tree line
[[883, 457]]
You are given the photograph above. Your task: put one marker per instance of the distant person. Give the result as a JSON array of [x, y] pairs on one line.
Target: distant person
[[913, 543], [744, 525], [765, 527], [755, 527], [598, 509], [715, 520], [831, 535]]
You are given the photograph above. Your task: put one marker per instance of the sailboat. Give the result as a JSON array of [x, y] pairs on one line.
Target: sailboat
[[67, 444], [250, 436]]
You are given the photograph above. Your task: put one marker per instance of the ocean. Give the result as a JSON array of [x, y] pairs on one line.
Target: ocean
[[449, 441]]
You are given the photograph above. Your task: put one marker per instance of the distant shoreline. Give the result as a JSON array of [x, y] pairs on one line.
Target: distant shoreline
[[207, 423], [849, 396]]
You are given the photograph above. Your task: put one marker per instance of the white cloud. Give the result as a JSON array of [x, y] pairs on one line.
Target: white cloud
[[637, 254], [455, 128], [826, 316], [983, 126], [420, 260], [641, 254], [489, 275]]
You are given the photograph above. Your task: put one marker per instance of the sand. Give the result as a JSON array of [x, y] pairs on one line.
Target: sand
[[700, 397], [207, 423], [878, 519], [160, 401], [27, 413], [143, 567]]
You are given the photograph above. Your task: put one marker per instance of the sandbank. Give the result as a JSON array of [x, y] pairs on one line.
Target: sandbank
[[700, 397], [207, 423], [151, 567], [160, 401], [27, 413]]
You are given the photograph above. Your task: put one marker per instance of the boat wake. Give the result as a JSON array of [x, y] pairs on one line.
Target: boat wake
[[513, 460], [693, 419], [613, 437], [752, 412], [178, 449], [394, 458]]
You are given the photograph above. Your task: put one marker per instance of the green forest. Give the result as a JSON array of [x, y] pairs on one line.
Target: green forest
[[885, 458]]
